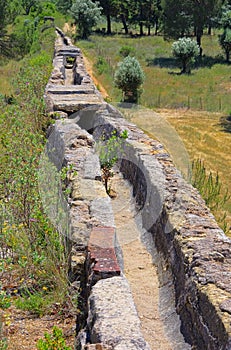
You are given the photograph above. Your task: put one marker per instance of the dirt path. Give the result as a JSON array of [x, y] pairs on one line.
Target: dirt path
[[22, 330], [89, 67], [142, 274]]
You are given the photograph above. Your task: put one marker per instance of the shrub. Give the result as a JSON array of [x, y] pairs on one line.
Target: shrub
[[86, 15], [126, 50], [101, 65], [110, 151], [185, 50], [54, 341], [225, 42], [129, 77]]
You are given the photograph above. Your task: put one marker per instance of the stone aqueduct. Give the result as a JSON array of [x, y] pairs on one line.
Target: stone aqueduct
[[190, 245]]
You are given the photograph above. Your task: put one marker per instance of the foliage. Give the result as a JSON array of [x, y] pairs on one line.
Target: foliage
[[3, 339], [28, 4], [185, 50], [37, 303], [187, 17], [54, 341], [129, 77], [203, 90], [225, 37], [109, 8], [86, 15], [110, 149], [29, 244], [101, 65], [209, 186], [225, 42], [145, 13], [64, 5], [126, 50], [5, 302]]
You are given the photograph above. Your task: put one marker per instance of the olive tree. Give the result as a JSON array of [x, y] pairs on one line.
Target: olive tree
[[86, 15], [129, 77], [185, 50], [225, 37]]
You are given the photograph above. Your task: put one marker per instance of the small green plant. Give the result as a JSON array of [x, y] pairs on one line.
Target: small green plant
[[86, 14], [3, 344], [3, 339], [110, 150], [127, 50], [70, 59], [35, 303], [54, 341], [5, 302], [101, 65]]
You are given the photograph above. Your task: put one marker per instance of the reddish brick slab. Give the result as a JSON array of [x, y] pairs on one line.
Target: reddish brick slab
[[102, 251]]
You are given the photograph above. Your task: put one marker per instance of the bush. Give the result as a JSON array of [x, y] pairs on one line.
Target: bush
[[86, 15], [129, 77], [185, 50], [225, 42], [101, 65], [54, 341], [126, 50]]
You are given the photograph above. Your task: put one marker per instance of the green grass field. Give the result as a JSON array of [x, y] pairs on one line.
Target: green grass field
[[7, 73], [207, 88]]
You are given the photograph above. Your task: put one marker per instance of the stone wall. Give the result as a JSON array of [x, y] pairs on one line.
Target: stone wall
[[195, 251]]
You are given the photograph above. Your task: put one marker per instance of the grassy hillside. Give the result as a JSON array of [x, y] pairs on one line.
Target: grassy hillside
[[195, 105], [208, 88]]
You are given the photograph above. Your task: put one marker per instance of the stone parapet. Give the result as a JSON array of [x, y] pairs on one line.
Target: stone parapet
[[195, 251]]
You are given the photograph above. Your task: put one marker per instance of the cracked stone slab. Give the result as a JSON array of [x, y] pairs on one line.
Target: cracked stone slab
[[101, 210], [113, 318]]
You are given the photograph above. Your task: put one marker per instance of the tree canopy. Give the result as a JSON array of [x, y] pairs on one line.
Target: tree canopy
[[129, 77], [86, 15]]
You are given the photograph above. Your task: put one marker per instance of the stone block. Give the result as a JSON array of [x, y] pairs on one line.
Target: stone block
[[113, 318]]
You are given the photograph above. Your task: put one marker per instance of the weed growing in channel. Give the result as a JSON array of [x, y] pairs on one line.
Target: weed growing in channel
[[110, 150]]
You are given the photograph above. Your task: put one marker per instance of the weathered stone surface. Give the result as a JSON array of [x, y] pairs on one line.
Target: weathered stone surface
[[72, 103], [87, 189], [101, 209], [113, 319], [70, 89], [92, 168], [196, 251]]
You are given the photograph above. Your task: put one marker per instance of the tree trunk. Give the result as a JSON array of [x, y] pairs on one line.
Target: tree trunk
[[199, 36], [141, 29], [108, 24], [149, 30], [123, 19], [157, 26], [199, 33], [227, 55]]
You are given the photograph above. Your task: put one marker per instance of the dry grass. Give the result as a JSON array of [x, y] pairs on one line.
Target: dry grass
[[193, 105], [205, 138], [7, 72]]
